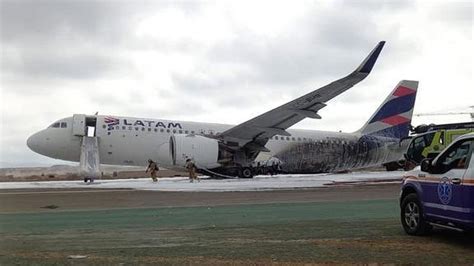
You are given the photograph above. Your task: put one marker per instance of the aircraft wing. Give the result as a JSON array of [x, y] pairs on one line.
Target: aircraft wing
[[255, 132]]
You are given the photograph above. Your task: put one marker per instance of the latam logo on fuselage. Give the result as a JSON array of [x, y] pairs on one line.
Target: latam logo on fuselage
[[115, 123]]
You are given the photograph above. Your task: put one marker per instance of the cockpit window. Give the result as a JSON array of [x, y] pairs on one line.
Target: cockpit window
[[59, 125]]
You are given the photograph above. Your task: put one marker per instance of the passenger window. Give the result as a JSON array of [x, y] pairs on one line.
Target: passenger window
[[162, 130], [276, 137], [287, 138], [63, 125], [293, 138], [180, 131], [186, 132]]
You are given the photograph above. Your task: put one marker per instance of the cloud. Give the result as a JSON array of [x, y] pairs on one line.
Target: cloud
[[377, 5], [38, 23], [457, 13], [57, 65], [221, 61]]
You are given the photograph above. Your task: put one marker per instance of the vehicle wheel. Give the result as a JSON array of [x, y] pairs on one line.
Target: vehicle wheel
[[246, 173], [469, 232], [412, 216]]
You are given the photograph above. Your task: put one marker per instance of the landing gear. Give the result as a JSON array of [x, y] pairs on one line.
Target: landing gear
[[393, 166], [88, 179], [246, 172]]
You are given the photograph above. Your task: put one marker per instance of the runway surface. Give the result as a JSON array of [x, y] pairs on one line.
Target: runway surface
[[44, 200], [257, 183], [179, 192]]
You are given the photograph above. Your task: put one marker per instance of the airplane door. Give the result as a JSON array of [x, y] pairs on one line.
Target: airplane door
[[79, 125], [443, 196]]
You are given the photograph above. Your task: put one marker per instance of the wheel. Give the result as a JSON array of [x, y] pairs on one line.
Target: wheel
[[469, 232], [246, 173], [412, 216]]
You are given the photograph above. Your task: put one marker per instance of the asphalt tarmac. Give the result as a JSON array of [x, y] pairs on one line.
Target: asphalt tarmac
[[38, 200]]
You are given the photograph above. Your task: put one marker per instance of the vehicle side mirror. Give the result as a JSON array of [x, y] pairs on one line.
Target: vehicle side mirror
[[426, 165]]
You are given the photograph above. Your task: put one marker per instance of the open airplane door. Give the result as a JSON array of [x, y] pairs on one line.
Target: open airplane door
[[79, 125]]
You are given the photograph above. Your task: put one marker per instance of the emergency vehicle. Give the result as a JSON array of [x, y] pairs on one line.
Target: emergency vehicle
[[432, 139], [441, 191]]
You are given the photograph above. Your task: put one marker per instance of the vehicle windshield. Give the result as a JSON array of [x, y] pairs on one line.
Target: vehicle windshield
[[417, 146], [457, 157], [460, 152]]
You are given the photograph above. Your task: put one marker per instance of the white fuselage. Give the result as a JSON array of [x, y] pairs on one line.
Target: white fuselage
[[132, 141]]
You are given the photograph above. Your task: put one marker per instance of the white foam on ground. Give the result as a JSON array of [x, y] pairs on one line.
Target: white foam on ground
[[277, 182]]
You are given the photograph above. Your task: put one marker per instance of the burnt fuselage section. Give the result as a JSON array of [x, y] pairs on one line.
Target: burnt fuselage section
[[339, 153]]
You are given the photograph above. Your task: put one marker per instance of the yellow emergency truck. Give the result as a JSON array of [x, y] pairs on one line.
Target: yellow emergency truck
[[434, 140]]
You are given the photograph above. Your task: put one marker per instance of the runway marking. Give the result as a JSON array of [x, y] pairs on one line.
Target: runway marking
[[65, 191]]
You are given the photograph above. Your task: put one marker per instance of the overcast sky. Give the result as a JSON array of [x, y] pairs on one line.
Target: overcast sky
[[223, 61]]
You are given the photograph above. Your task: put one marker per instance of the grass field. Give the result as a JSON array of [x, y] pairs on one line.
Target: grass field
[[333, 232]]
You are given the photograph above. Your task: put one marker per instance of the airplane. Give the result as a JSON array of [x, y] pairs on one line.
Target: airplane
[[232, 150]]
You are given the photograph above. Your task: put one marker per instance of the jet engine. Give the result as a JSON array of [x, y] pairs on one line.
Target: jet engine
[[204, 151]]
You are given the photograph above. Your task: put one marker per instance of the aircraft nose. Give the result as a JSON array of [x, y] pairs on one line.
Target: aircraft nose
[[33, 142]]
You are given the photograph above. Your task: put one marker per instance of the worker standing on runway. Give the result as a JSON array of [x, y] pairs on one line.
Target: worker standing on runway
[[191, 170], [153, 169]]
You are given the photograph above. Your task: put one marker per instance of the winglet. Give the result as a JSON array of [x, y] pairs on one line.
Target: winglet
[[369, 62]]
